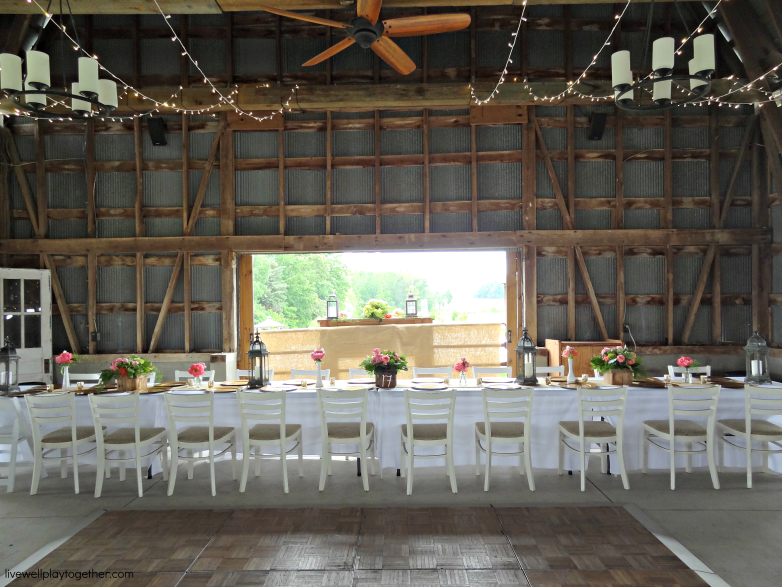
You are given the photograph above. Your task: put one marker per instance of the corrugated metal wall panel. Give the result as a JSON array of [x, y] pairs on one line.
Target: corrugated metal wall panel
[[584, 142], [109, 147], [690, 179], [212, 194], [450, 222], [353, 143], [685, 274], [258, 187], [499, 181], [254, 56], [776, 274], [304, 144], [644, 275], [541, 11], [74, 284], [545, 189], [730, 137], [449, 183], [701, 327], [593, 11], [552, 322], [556, 138], [690, 137], [353, 186], [647, 323], [60, 338], [305, 186], [201, 144], [401, 113], [691, 218], [643, 138], [171, 150], [297, 50], [736, 324], [17, 199], [117, 332], [207, 329], [353, 224], [596, 179], [736, 275], [642, 219], [206, 20], [115, 228], [549, 48], [492, 49], [739, 217], [305, 116], [69, 147], [162, 188], [402, 224], [401, 184], [776, 223], [159, 56], [743, 181], [66, 190], [25, 144], [116, 285], [354, 58], [549, 220], [112, 20], [449, 49], [22, 229], [156, 283], [299, 226], [602, 273], [586, 324], [210, 55], [499, 221], [643, 179], [255, 145], [206, 283], [251, 226], [500, 137], [452, 112], [155, 20], [592, 219], [163, 226], [402, 142], [68, 228], [207, 227], [587, 44], [115, 190], [776, 319], [449, 140], [552, 275], [172, 336]]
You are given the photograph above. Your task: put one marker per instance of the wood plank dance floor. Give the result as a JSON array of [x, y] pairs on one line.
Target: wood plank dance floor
[[538, 546]]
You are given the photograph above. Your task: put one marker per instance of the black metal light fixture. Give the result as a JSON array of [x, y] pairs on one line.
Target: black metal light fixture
[[411, 306], [332, 307], [9, 368], [526, 353], [258, 355]]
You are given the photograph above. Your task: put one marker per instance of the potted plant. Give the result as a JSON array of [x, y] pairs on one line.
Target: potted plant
[[385, 366], [618, 365], [130, 372]]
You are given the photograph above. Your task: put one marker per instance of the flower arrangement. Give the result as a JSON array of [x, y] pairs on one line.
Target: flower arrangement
[[615, 358], [66, 359], [384, 361], [317, 355], [397, 313], [131, 367], [462, 365], [197, 369], [343, 314], [376, 309], [570, 352], [687, 362]]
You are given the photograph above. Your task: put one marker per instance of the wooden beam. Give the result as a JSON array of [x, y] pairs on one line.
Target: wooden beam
[[139, 145], [140, 317], [59, 296], [187, 298], [571, 293], [530, 292], [40, 181], [511, 299], [328, 178], [92, 301], [377, 171], [714, 163], [202, 187], [716, 297], [185, 168], [246, 302], [21, 178], [281, 177], [474, 180], [667, 215], [89, 167], [528, 188], [229, 301], [746, 141], [620, 292], [161, 319], [669, 295], [227, 184], [426, 169]]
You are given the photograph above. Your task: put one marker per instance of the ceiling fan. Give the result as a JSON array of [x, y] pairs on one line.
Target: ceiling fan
[[369, 33]]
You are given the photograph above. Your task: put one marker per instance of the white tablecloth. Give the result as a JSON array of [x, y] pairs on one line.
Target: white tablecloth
[[386, 409]]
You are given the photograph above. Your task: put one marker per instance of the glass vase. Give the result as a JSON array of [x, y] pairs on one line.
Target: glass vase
[[687, 376], [571, 377], [66, 378], [197, 382], [463, 378]]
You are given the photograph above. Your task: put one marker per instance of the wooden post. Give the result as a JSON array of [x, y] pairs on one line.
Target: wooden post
[[426, 167], [140, 229], [92, 301], [571, 199], [246, 316], [229, 47], [328, 186], [185, 168], [281, 174], [136, 51], [138, 143], [140, 333], [716, 297], [714, 164], [667, 220], [620, 292], [512, 300], [227, 183], [188, 292], [531, 292], [474, 179], [229, 306], [529, 210], [89, 167], [40, 182], [377, 172], [184, 60]]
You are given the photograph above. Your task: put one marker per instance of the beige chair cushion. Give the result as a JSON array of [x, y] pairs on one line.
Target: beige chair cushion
[[201, 433], [502, 429], [761, 427], [272, 431], [347, 429], [64, 434], [427, 431], [680, 427], [128, 435], [599, 429]]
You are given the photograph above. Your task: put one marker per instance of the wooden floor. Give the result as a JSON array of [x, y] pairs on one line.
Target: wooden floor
[[539, 546]]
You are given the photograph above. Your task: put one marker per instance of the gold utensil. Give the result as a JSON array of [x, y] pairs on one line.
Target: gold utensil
[[479, 380], [210, 385]]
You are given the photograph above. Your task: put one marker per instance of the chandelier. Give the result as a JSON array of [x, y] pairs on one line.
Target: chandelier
[[33, 93], [628, 93]]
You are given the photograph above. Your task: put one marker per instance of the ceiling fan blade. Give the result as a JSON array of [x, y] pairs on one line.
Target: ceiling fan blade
[[297, 16], [331, 51], [429, 24], [392, 54], [369, 9]]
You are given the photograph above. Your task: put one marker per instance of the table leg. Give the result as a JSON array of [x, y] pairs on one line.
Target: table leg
[[398, 473], [358, 467]]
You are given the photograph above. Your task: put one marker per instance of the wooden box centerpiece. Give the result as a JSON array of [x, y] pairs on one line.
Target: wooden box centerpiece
[[586, 350], [372, 321]]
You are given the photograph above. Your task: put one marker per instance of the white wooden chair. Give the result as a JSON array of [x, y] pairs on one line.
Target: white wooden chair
[[57, 408], [338, 413], [268, 408], [674, 370], [357, 373], [300, 373], [498, 407], [758, 401], [84, 378], [247, 373], [108, 411], [695, 401], [596, 402], [435, 371], [190, 409], [560, 370], [184, 375], [436, 409], [10, 436], [492, 372]]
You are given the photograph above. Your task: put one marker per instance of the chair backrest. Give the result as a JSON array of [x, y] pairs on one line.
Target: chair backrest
[[85, 377], [184, 375], [423, 407], [602, 402], [507, 404], [693, 402], [10, 406], [343, 405], [355, 373], [440, 371], [560, 370], [762, 400], [190, 409], [112, 410], [674, 370], [296, 373], [242, 373], [52, 408], [267, 407], [496, 371]]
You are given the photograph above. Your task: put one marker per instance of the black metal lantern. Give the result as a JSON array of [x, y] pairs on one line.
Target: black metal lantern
[[757, 359], [332, 307], [411, 306], [526, 354], [258, 361], [9, 368]]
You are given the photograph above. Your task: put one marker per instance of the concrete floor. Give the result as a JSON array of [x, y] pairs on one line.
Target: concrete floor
[[735, 531]]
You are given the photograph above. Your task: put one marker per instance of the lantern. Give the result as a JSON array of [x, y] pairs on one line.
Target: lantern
[[411, 306], [258, 361], [332, 307], [526, 354], [9, 368], [757, 359]]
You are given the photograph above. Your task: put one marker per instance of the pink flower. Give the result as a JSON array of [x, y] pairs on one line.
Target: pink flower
[[376, 351], [396, 356], [386, 358], [684, 362], [197, 369], [134, 362], [605, 357], [605, 350], [388, 315], [458, 367], [620, 359], [317, 355], [631, 362], [376, 359], [64, 358]]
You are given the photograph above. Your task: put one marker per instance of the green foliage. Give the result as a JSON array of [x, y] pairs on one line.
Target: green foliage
[[376, 309], [459, 316], [385, 361], [491, 291], [131, 366], [609, 360]]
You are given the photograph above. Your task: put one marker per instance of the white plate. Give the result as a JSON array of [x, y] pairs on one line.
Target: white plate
[[362, 380], [430, 387], [502, 386], [428, 380], [497, 379]]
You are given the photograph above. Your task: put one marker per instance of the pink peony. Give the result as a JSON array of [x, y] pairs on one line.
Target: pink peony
[[396, 356], [684, 362], [197, 369], [386, 358], [64, 358], [376, 351], [620, 359], [317, 355], [631, 362], [376, 359]]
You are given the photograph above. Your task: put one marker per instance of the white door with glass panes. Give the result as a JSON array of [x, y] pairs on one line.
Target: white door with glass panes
[[26, 300]]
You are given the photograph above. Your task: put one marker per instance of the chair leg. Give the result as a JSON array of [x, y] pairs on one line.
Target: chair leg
[[245, 465], [284, 461], [100, 473], [673, 462], [645, 450], [372, 457], [621, 458], [233, 459], [173, 467], [324, 457], [765, 458], [189, 464], [488, 464], [364, 478], [75, 469], [710, 456], [164, 460], [402, 465], [604, 460], [12, 467], [561, 458], [258, 460], [301, 458], [122, 465], [37, 466], [63, 463], [528, 465], [477, 456], [410, 461], [108, 471], [452, 469], [583, 465], [328, 463], [139, 473], [212, 469], [689, 457], [522, 464]]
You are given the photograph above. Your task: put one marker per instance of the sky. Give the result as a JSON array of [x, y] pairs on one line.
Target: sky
[[463, 272]]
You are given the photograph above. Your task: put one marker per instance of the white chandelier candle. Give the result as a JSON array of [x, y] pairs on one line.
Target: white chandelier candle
[[10, 72], [695, 83], [662, 93], [34, 100], [88, 77], [662, 56], [703, 49], [107, 93], [37, 70], [79, 107], [621, 75]]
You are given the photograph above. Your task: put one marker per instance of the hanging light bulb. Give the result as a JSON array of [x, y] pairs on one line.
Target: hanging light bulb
[[79, 107], [10, 72], [88, 77], [37, 70]]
